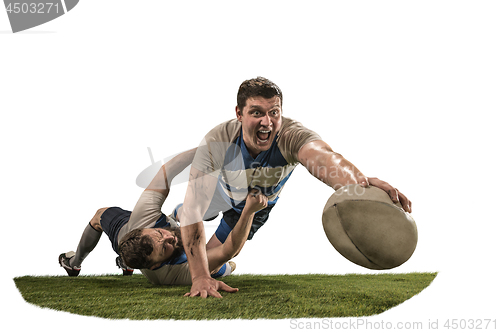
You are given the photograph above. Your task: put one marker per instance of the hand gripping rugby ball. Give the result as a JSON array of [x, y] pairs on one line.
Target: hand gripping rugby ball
[[366, 227]]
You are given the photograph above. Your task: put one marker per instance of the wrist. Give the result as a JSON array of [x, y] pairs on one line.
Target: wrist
[[245, 213], [201, 277]]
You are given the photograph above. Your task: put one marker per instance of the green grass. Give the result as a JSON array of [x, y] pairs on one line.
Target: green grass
[[259, 296]]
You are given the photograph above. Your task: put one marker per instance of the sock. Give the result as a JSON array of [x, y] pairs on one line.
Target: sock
[[89, 240], [225, 270]]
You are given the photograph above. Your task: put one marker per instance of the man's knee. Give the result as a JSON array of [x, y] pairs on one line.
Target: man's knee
[[96, 220]]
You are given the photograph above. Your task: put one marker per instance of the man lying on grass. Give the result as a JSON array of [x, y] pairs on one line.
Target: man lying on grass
[[148, 240]]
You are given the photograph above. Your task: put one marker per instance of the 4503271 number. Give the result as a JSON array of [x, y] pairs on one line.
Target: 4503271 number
[[470, 324], [32, 8]]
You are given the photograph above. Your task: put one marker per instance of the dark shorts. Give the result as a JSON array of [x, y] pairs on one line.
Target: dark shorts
[[231, 217], [112, 220]]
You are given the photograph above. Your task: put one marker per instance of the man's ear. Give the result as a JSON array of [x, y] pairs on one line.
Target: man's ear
[[238, 113]]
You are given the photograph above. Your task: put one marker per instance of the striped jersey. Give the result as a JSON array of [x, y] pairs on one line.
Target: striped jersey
[[223, 153]]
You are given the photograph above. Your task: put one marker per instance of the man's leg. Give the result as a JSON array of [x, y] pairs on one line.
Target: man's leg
[[72, 261], [213, 242]]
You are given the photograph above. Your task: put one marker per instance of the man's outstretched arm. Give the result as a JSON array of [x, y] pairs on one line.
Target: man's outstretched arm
[[334, 170]]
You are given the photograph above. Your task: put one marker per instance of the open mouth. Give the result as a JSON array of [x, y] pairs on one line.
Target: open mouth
[[263, 136]]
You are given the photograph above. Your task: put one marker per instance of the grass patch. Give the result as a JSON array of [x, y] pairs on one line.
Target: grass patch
[[259, 296]]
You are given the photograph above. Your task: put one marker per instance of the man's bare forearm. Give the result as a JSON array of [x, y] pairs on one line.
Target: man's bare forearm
[[329, 167], [178, 163], [198, 197], [193, 238], [168, 171], [334, 170]]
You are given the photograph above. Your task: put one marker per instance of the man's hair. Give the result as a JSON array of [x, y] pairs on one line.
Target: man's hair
[[135, 249], [257, 87]]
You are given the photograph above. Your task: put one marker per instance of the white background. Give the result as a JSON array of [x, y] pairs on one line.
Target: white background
[[408, 92]]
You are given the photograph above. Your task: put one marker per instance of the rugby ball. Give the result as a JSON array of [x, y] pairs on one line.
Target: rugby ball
[[366, 227]]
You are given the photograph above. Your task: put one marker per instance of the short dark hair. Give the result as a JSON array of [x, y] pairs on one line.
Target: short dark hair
[[259, 86], [135, 249]]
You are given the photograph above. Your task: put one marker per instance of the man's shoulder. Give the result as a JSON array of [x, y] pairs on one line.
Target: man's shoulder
[[292, 137], [292, 127], [287, 122], [212, 150], [224, 132]]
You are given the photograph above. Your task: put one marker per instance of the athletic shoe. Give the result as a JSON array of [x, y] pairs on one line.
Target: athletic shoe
[[225, 270], [126, 270], [172, 220], [233, 266], [64, 262]]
